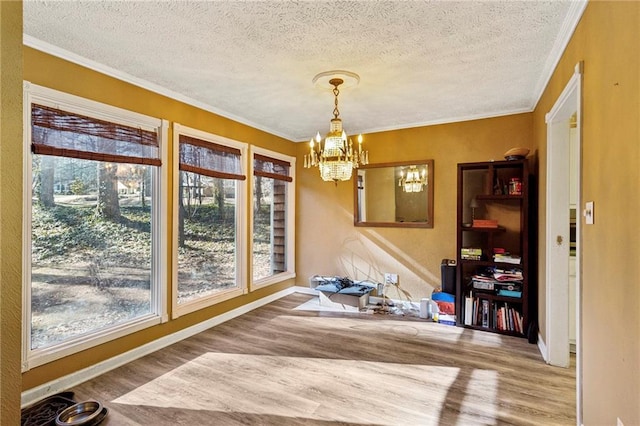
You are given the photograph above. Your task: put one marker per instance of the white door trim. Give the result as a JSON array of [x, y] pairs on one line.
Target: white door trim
[[557, 225]]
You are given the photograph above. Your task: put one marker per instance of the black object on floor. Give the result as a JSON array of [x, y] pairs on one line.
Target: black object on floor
[[44, 413], [448, 272]]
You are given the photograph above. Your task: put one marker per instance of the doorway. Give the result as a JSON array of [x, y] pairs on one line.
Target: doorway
[[563, 253]]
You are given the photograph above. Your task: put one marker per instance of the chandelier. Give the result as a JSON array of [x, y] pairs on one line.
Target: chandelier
[[414, 181], [336, 158]]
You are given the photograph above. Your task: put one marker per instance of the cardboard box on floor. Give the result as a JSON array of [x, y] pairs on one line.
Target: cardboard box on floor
[[347, 302]]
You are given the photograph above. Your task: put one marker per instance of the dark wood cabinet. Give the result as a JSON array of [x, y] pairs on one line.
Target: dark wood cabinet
[[496, 284]]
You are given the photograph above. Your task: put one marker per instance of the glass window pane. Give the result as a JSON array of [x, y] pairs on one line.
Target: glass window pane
[[269, 227], [207, 232], [91, 246]]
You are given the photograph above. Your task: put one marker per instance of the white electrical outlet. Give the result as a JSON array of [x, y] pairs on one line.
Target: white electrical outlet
[[390, 278], [619, 423]]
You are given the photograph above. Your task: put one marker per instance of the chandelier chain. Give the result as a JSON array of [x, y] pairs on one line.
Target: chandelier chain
[[336, 92]]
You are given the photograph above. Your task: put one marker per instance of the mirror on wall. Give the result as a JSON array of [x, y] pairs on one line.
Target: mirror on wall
[[394, 195]]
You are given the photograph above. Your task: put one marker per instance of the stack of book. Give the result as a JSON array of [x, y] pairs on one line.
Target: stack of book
[[504, 282], [471, 253], [507, 258], [501, 255]]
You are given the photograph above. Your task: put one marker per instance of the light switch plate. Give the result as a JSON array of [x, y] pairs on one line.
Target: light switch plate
[[588, 213]]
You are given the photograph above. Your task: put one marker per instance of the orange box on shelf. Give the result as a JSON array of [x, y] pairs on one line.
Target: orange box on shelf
[[485, 223]]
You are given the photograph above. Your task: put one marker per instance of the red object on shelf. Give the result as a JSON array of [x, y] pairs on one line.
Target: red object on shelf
[[485, 223]]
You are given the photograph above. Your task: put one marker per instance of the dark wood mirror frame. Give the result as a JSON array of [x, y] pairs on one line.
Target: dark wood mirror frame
[[386, 184]]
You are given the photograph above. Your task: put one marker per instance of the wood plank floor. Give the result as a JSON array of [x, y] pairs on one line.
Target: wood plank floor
[[280, 366]]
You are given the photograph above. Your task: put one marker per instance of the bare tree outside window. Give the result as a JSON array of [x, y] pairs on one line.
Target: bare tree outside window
[[108, 204], [88, 272], [207, 254]]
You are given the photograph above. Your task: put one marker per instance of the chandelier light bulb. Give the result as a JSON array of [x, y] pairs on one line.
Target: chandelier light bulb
[[415, 181]]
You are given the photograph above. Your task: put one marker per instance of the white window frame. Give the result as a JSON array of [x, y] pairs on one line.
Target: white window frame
[[289, 218], [33, 93], [241, 223]]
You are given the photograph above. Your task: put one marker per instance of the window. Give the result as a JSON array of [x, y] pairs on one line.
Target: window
[[273, 223], [209, 219], [94, 246]]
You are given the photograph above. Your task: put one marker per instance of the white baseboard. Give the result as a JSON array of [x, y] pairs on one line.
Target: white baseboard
[[542, 347], [33, 395]]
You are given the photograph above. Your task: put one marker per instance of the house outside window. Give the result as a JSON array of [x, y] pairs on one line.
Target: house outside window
[[209, 219], [272, 217], [94, 243]]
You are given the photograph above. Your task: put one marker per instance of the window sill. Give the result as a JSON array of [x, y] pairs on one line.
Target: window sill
[[274, 279], [205, 302], [43, 356]]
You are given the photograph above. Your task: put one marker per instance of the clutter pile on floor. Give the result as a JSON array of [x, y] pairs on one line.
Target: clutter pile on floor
[[370, 297]]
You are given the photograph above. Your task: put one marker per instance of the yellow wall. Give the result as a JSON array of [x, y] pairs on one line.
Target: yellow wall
[[10, 208], [49, 71], [607, 40], [329, 244]]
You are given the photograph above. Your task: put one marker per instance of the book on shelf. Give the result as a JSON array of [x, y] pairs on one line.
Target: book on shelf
[[507, 258], [509, 319], [470, 257], [471, 253], [491, 278], [509, 293], [485, 223], [468, 310], [497, 315], [482, 284], [485, 313], [511, 275]]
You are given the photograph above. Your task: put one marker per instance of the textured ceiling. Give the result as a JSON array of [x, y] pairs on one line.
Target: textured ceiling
[[420, 62]]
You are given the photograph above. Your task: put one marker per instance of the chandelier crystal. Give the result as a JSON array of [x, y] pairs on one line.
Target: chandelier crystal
[[414, 181], [336, 158]]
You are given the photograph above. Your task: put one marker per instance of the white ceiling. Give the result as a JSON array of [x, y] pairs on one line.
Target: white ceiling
[[420, 62]]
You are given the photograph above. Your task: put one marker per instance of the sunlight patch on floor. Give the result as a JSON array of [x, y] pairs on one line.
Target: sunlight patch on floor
[[491, 340], [482, 387], [421, 329], [324, 389]]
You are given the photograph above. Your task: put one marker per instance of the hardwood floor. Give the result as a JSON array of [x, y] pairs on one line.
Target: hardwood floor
[[281, 366]]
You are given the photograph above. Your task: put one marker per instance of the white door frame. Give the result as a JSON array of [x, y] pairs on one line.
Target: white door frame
[[557, 231]]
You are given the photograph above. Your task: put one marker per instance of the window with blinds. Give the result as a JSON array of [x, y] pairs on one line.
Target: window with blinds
[[271, 194], [210, 159], [210, 219], [96, 229], [273, 168]]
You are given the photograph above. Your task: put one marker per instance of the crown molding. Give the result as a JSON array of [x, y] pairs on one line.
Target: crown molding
[[576, 9]]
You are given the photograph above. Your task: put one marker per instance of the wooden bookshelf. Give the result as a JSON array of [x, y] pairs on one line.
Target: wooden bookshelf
[[503, 191]]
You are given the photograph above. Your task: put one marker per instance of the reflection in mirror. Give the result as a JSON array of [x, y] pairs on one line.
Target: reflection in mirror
[[395, 195]]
